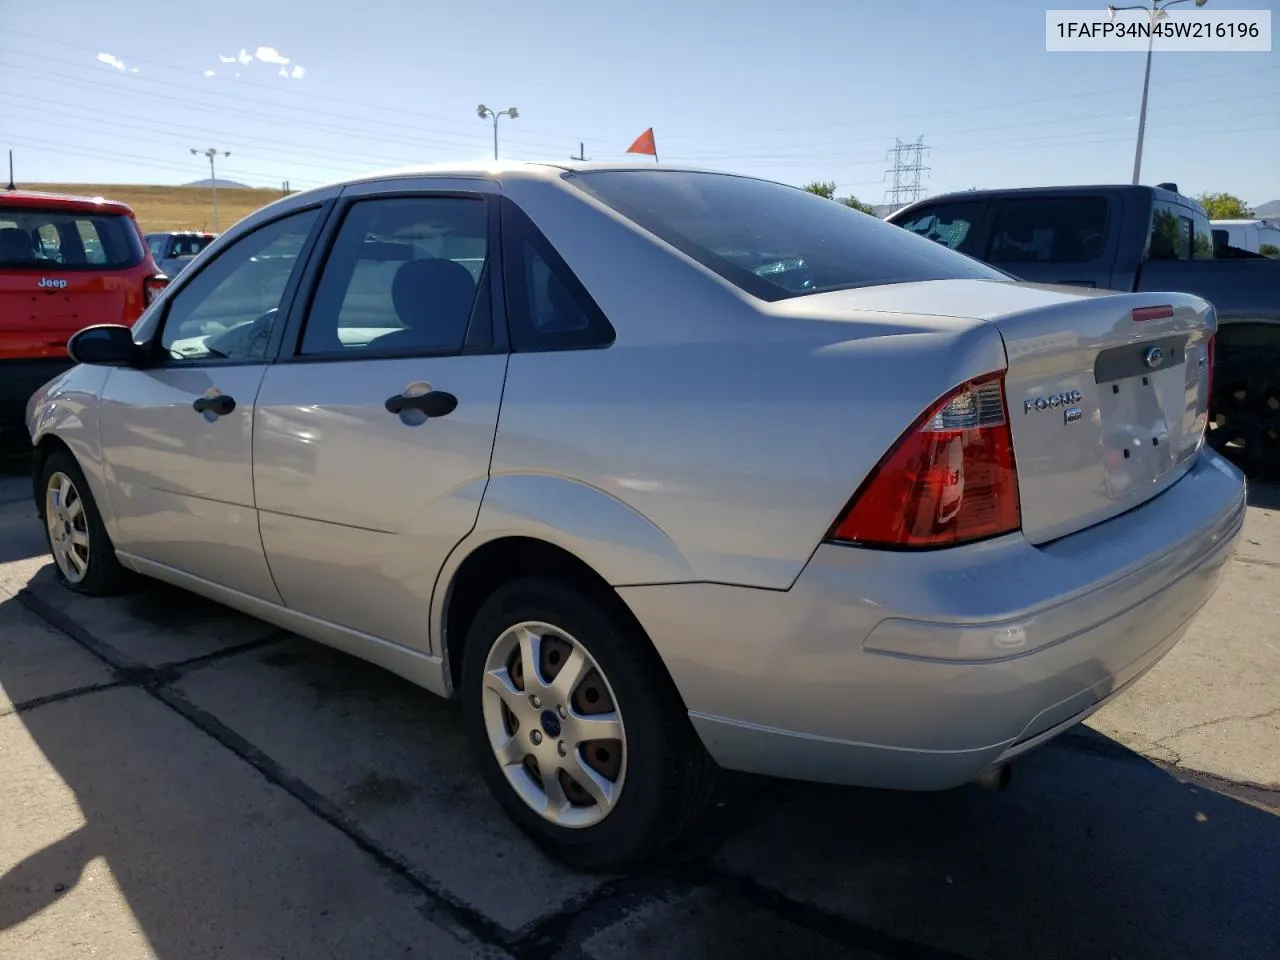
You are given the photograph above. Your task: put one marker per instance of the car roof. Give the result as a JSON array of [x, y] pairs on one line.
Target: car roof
[[1160, 193], [61, 201], [512, 170]]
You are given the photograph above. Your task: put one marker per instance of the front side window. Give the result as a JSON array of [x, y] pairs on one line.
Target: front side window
[[403, 275], [49, 239], [1048, 230], [229, 309], [771, 240], [949, 224]]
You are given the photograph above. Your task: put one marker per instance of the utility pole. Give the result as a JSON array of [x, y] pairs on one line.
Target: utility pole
[[581, 154], [908, 165], [11, 186], [484, 112], [212, 153], [1155, 12], [284, 187]]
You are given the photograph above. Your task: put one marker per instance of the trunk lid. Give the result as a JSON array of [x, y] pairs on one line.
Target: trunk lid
[[1107, 398]]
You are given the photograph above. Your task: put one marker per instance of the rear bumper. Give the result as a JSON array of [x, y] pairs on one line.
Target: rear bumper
[[19, 379], [918, 670]]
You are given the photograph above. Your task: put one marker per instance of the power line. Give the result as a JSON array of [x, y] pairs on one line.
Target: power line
[[100, 79]]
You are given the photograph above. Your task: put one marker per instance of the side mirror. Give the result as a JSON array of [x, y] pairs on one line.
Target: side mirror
[[106, 345]]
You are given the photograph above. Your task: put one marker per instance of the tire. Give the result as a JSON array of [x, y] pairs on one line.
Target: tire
[[101, 574], [662, 778]]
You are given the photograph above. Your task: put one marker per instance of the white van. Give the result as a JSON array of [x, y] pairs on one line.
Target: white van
[[1252, 235]]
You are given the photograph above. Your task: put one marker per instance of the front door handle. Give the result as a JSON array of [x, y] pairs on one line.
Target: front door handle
[[434, 403], [219, 406]]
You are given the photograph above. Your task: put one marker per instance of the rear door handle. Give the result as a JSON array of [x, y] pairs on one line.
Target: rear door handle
[[219, 406], [434, 403]]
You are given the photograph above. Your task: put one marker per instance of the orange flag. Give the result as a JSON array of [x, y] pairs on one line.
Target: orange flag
[[645, 144]]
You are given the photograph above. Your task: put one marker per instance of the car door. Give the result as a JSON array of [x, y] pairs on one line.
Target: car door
[[373, 438], [177, 434]]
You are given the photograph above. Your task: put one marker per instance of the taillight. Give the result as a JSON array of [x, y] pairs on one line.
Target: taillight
[[152, 286], [950, 479]]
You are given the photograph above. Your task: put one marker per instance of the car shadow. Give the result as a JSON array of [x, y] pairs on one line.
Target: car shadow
[[1092, 851], [1264, 495]]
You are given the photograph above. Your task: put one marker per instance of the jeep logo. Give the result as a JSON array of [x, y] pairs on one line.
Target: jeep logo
[[48, 283], [1051, 402]]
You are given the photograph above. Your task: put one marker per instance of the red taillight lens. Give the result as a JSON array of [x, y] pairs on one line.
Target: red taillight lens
[[1142, 314], [152, 286], [950, 479]]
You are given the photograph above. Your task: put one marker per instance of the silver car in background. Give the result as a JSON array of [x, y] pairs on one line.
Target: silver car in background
[[660, 471]]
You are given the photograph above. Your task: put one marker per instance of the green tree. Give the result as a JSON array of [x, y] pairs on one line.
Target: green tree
[[828, 189], [859, 205], [1270, 250], [1224, 206]]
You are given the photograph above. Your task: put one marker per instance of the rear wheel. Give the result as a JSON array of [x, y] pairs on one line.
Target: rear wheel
[[577, 728], [83, 555], [1245, 408]]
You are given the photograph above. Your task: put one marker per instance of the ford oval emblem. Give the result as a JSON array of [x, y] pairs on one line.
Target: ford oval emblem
[[1154, 357]]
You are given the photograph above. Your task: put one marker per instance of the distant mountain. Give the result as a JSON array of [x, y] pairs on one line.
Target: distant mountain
[[220, 184], [1269, 209]]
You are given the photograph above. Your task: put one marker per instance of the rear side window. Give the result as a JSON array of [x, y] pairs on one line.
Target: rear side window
[[57, 240], [1048, 230], [1171, 232], [771, 240], [404, 275]]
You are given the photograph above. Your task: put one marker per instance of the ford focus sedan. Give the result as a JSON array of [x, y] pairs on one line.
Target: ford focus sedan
[[660, 472]]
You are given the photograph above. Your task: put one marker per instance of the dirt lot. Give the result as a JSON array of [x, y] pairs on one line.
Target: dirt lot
[[171, 208], [183, 782]]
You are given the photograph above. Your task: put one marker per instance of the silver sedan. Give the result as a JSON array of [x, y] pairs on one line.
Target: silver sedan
[[661, 472]]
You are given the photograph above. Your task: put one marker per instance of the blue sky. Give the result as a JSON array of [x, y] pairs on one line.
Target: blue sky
[[797, 91]]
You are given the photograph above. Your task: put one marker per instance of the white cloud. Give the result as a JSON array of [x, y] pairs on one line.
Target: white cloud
[[226, 59], [270, 55], [244, 57], [133, 69], [284, 73], [208, 73], [298, 72], [111, 61]]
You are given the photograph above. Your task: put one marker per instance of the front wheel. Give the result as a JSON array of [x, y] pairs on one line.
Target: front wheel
[[82, 552], [577, 727]]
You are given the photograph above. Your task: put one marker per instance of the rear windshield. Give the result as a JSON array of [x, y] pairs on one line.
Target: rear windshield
[[771, 240], [49, 239]]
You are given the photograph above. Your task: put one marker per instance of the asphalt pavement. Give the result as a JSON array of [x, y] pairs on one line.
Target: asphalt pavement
[[181, 781]]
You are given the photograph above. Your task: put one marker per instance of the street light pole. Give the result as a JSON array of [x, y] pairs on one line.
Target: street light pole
[[484, 112], [1154, 12], [212, 153]]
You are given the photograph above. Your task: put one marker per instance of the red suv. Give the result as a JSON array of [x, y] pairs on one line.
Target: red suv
[[65, 263]]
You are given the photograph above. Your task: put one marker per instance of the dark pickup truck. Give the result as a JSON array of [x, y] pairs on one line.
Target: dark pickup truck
[[1136, 238]]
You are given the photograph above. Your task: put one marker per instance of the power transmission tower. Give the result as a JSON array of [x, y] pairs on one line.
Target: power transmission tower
[[581, 154], [908, 165]]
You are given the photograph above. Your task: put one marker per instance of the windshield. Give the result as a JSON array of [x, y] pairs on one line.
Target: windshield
[[771, 240], [45, 239]]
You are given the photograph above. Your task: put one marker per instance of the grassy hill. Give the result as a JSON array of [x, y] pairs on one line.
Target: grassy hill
[[171, 208]]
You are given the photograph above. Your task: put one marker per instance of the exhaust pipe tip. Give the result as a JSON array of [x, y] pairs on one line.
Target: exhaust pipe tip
[[996, 777]]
